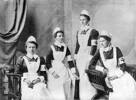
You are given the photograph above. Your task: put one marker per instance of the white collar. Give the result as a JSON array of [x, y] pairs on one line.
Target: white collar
[[85, 28], [32, 56], [107, 48], [59, 44]]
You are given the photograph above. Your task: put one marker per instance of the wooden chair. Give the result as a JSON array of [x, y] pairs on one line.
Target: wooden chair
[[132, 70], [97, 79], [14, 85]]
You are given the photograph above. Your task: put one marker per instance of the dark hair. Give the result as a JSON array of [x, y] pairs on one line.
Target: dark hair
[[33, 43], [105, 37], [88, 18], [55, 34]]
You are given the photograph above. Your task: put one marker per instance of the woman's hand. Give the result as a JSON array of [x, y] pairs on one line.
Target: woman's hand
[[31, 85], [36, 81], [105, 71], [112, 78], [108, 83], [75, 74], [27, 81], [75, 77], [55, 75]]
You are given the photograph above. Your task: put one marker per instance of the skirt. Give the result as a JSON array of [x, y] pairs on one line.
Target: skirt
[[124, 88]]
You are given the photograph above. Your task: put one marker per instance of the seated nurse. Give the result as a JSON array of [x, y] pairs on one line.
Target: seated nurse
[[113, 64], [32, 67]]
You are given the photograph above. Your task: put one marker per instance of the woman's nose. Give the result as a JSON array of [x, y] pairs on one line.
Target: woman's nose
[[32, 49], [61, 37], [101, 44], [81, 21]]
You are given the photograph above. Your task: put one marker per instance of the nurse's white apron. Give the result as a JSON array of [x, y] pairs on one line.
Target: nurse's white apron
[[39, 91], [86, 90], [124, 87]]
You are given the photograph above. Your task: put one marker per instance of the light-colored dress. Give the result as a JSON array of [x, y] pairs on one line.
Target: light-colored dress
[[124, 87], [39, 91]]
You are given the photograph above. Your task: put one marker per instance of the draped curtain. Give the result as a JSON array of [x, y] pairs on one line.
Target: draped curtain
[[13, 22]]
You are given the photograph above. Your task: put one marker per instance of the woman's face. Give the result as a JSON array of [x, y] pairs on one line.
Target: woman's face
[[59, 37], [31, 48], [103, 42], [83, 20]]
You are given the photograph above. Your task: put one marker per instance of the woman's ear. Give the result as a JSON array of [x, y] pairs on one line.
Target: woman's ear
[[25, 46], [109, 43]]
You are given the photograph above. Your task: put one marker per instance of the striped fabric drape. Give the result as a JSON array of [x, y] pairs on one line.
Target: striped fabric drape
[[14, 20]]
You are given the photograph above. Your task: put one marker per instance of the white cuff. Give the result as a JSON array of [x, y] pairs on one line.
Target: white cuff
[[73, 70], [108, 83], [93, 42], [41, 78], [121, 60], [75, 56], [51, 70], [69, 58], [90, 57], [43, 68], [99, 68]]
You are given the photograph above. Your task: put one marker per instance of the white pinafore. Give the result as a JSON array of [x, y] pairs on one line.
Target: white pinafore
[[39, 91], [87, 91], [56, 86], [124, 87]]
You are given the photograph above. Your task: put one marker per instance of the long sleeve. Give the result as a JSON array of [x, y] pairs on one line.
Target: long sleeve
[[120, 60], [94, 60], [49, 59], [19, 66], [71, 62], [77, 44], [93, 41], [42, 71], [69, 58]]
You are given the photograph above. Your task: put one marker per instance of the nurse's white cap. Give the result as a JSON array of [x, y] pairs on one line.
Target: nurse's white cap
[[105, 33], [57, 29], [32, 39], [85, 12]]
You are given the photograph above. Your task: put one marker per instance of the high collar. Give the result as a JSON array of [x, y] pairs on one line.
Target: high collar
[[35, 56], [107, 48], [85, 28], [59, 44]]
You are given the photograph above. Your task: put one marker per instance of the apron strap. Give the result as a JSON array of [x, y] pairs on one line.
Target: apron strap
[[114, 56], [27, 63]]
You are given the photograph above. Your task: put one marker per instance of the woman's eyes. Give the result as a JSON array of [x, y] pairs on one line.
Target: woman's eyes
[[60, 36]]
